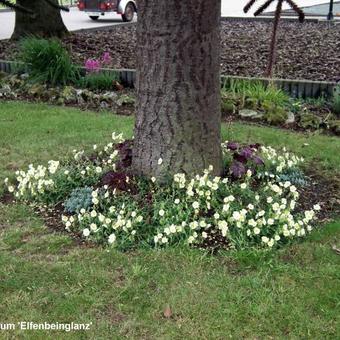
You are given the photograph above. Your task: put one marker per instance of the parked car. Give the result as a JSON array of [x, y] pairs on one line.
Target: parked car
[[95, 8]]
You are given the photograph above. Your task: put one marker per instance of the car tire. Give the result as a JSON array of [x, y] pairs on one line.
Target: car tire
[[94, 17], [129, 12]]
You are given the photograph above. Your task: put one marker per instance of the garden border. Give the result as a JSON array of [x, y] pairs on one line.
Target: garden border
[[295, 88]]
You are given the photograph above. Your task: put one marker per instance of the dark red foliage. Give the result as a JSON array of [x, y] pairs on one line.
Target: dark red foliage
[[125, 154], [244, 158], [118, 181]]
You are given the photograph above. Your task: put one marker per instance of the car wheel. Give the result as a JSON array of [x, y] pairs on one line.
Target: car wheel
[[129, 12], [94, 17]]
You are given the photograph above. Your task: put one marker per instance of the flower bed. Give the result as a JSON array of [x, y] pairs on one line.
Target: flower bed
[[254, 204]]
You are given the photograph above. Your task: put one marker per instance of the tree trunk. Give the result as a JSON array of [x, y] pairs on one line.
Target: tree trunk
[[46, 23], [178, 87]]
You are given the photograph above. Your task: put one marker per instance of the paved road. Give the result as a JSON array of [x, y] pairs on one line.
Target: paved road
[[75, 20]]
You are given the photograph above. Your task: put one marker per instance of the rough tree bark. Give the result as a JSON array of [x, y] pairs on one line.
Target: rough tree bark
[[178, 87], [46, 22]]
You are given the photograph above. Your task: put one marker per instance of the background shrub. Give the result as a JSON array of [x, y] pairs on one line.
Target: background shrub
[[48, 62]]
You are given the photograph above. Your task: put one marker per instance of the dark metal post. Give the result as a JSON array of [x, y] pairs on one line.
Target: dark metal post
[[330, 15]]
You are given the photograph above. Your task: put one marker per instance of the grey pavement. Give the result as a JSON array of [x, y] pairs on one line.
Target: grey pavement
[[74, 20]]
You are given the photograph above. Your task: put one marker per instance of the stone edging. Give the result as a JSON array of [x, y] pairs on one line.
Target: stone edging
[[295, 88]]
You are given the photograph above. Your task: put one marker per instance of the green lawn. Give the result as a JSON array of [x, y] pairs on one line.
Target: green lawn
[[46, 276]]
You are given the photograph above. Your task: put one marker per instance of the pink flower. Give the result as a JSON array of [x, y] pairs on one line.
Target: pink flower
[[92, 65], [106, 58]]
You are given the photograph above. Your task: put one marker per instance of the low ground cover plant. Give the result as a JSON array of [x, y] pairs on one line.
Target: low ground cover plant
[[253, 205], [258, 101]]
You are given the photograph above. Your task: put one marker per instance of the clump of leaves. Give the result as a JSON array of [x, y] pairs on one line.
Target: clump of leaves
[[294, 176], [274, 114], [243, 158], [240, 94], [99, 81], [80, 198], [48, 61], [118, 181], [309, 121]]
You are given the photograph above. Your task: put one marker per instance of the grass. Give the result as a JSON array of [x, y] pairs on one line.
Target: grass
[[46, 276]]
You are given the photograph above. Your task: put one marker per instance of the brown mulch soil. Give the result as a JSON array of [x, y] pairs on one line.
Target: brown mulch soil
[[305, 51]]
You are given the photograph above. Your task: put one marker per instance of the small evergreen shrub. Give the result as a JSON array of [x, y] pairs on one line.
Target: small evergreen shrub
[[48, 61], [80, 198], [295, 176]]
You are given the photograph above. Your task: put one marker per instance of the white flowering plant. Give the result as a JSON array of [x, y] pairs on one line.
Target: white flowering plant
[[247, 207]]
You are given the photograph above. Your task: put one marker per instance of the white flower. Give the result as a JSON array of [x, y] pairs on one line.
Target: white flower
[[173, 228], [276, 206], [204, 234], [191, 239], [292, 188], [269, 199], [249, 173], [161, 212], [66, 172], [164, 239], [236, 216], [230, 198], [286, 184], [257, 197], [160, 161], [94, 147], [271, 242], [250, 207], [226, 207], [82, 211], [155, 239], [216, 216], [317, 207], [195, 205], [243, 185], [93, 213], [112, 238], [10, 188], [256, 231], [176, 201], [264, 239], [86, 232], [270, 221], [93, 226], [98, 170], [95, 201], [153, 179], [139, 218]]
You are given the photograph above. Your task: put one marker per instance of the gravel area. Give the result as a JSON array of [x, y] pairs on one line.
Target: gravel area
[[305, 51]]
